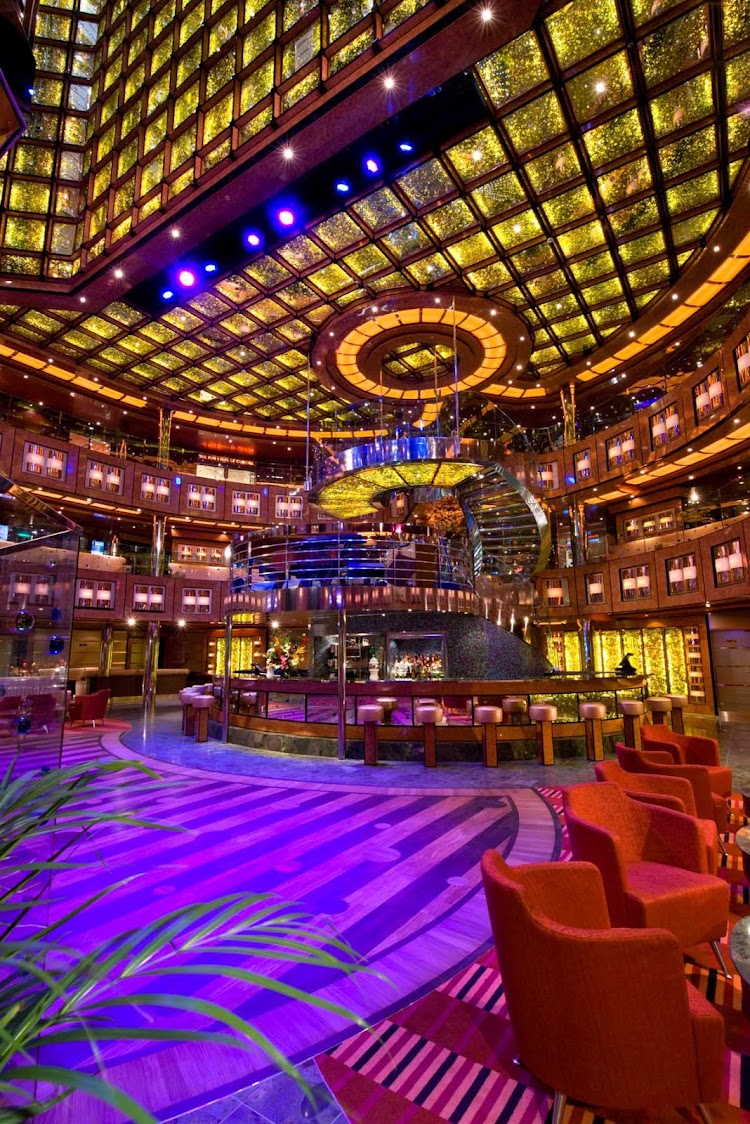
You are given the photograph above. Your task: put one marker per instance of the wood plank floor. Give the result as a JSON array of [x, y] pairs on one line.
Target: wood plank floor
[[395, 871]]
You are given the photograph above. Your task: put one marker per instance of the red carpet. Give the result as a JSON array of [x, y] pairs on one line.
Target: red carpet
[[449, 1056]]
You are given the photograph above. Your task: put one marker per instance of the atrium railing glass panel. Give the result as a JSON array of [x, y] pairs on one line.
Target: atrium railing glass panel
[[38, 561]]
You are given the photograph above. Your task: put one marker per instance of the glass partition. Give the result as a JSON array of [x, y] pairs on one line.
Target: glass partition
[[38, 561]]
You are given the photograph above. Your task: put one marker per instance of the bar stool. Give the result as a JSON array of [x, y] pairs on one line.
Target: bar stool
[[544, 715], [248, 700], [428, 716], [679, 702], [593, 713], [187, 694], [632, 715], [202, 704], [369, 715], [389, 705], [659, 708], [488, 718], [515, 709]]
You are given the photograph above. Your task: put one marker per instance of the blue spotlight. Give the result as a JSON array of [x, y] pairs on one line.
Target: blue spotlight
[[253, 239], [167, 295], [210, 267], [406, 146], [372, 166], [286, 217], [343, 186]]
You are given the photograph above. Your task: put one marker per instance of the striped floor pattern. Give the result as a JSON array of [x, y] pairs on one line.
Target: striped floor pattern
[[396, 873], [449, 1057]]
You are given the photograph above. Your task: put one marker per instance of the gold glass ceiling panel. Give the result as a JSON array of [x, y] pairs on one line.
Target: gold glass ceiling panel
[[576, 191]]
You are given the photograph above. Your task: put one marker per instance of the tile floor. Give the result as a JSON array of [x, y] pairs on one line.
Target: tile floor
[[279, 1100]]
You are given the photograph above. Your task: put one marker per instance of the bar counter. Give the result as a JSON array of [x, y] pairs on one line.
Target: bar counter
[[309, 708]]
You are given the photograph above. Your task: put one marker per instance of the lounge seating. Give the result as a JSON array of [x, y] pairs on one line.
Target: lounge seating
[[89, 708], [601, 1015], [668, 792], [653, 865], [690, 749], [708, 804]]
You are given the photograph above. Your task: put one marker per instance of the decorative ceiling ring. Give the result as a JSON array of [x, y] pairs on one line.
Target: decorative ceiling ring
[[355, 353]]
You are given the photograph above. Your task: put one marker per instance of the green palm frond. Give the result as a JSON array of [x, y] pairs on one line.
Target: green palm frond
[[52, 994]]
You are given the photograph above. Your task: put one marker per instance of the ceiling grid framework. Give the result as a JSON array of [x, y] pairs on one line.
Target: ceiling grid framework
[[595, 179]]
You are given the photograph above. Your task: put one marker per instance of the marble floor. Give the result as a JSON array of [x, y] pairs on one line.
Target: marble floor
[[278, 1100]]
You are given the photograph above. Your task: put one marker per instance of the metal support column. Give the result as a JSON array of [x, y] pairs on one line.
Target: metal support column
[[152, 635], [578, 532], [587, 650], [227, 675], [149, 671], [342, 676]]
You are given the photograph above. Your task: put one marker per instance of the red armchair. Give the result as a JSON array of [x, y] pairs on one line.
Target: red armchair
[[652, 862], [89, 708], [668, 792], [708, 804], [689, 749], [602, 1015]]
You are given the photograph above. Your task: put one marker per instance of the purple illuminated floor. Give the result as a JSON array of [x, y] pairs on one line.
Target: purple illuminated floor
[[395, 869]]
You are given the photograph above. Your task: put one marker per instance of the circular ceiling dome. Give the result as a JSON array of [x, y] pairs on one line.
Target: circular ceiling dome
[[408, 347]]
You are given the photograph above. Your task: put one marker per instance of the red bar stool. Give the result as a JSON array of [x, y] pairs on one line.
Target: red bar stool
[[388, 704], [659, 708], [488, 717], [544, 715], [632, 716], [593, 714], [370, 714], [679, 702], [428, 716]]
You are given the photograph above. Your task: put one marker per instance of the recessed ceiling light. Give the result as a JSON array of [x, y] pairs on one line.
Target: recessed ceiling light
[[389, 81], [175, 232], [119, 273]]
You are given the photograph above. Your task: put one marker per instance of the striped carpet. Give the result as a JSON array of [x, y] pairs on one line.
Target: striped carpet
[[449, 1056], [396, 872]]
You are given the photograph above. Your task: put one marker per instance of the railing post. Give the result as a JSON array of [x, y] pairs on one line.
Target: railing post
[[341, 675], [227, 676]]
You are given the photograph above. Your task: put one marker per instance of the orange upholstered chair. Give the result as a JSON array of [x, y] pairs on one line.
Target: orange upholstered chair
[[689, 749], [668, 792], [708, 804], [653, 865], [89, 708], [602, 1015]]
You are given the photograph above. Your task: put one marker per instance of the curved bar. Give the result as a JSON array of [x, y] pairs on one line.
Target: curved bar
[[457, 696]]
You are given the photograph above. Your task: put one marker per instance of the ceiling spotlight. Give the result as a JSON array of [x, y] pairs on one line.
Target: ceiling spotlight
[[486, 14], [210, 267], [389, 81], [253, 239], [130, 622], [372, 165], [405, 146], [343, 186], [119, 274], [181, 622], [82, 300], [675, 297], [187, 278], [600, 88], [287, 152], [175, 232], [286, 217], [167, 295]]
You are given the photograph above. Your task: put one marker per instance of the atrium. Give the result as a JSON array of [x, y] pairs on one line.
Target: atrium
[[374, 413]]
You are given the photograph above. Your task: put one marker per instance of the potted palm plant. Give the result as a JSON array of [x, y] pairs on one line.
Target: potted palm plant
[[53, 994]]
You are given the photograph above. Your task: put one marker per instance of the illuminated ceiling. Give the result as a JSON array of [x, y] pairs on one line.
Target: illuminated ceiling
[[614, 137]]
